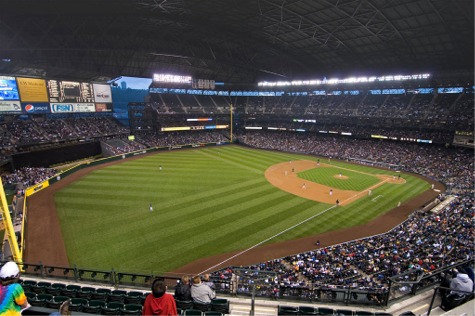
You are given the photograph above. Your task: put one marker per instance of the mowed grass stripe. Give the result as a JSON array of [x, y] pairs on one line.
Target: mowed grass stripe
[[207, 201]]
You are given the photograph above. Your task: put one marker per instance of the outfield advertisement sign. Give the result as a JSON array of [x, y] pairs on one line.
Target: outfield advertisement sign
[[37, 187], [103, 107], [35, 108], [12, 107], [72, 107]]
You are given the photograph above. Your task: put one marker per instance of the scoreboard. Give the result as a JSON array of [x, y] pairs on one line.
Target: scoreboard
[[20, 95]]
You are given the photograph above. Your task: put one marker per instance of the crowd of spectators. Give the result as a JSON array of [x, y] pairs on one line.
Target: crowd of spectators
[[426, 241], [28, 176]]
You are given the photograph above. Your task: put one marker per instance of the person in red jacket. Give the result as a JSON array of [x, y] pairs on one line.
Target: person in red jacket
[[159, 302]]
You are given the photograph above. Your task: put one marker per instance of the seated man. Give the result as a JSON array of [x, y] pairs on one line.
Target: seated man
[[461, 282], [201, 293], [159, 302]]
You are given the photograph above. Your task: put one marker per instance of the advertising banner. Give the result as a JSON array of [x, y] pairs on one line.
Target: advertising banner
[[10, 107], [103, 107], [35, 108], [84, 107], [61, 107], [8, 88], [32, 90], [38, 187], [102, 93]]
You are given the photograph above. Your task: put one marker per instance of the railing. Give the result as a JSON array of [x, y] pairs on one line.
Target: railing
[[466, 296]]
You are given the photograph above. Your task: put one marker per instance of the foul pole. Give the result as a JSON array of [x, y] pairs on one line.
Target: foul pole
[[9, 230], [231, 126]]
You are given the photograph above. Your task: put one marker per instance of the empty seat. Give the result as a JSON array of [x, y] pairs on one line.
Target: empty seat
[[40, 287], [70, 290], [101, 294], [94, 306], [343, 312], [55, 288], [325, 311], [27, 284], [220, 305], [85, 292], [132, 309], [134, 297], [40, 299], [287, 310], [213, 313], [117, 296], [363, 313], [56, 301], [112, 308], [77, 304], [30, 295], [308, 310]]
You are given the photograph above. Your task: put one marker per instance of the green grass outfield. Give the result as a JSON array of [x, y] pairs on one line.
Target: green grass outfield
[[206, 201]]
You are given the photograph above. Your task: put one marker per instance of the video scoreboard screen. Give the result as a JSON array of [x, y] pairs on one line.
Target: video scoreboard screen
[[70, 91]]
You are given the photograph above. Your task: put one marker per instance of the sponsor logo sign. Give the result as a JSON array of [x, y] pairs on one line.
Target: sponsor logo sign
[[103, 107], [84, 107], [61, 107], [35, 108], [10, 107]]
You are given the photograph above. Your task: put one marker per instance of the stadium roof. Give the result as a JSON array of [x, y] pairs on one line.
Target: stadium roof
[[234, 40]]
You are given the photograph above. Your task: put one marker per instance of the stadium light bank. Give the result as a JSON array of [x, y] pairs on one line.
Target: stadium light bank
[[349, 80]]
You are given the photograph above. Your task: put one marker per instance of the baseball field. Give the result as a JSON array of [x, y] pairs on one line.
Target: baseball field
[[160, 212]]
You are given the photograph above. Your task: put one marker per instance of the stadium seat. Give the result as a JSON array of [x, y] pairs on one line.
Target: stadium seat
[[201, 307], [287, 310], [134, 297], [220, 305], [77, 304], [40, 287], [363, 313], [382, 314], [70, 290], [325, 311], [40, 300], [192, 312], [30, 295], [112, 308], [213, 313], [27, 284], [85, 292], [101, 294], [184, 304], [56, 301], [117, 296], [55, 289], [343, 312], [94, 306], [132, 309], [308, 310]]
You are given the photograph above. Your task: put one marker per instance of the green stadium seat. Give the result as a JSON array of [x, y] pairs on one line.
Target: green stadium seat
[[363, 313], [40, 287], [201, 307], [94, 306], [220, 305], [134, 297], [213, 313], [27, 284], [85, 292], [55, 289], [112, 308], [101, 294], [343, 312], [287, 310], [132, 309], [70, 290], [30, 295], [308, 310], [117, 296], [40, 299], [56, 301], [77, 304], [326, 311], [192, 312]]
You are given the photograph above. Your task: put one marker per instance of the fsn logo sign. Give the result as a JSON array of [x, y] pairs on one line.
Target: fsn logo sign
[[58, 107]]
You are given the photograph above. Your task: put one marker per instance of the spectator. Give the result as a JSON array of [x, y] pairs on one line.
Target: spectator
[[159, 302], [461, 282], [13, 299], [208, 282], [200, 292], [183, 289]]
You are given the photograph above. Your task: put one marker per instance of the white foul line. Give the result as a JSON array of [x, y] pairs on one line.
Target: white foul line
[[266, 240]]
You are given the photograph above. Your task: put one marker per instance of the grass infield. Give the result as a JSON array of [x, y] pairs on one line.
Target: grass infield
[[205, 201]]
